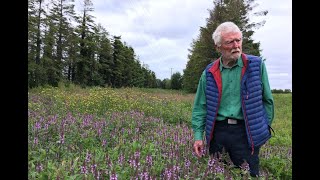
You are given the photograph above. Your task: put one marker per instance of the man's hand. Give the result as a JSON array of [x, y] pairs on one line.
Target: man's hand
[[198, 146]]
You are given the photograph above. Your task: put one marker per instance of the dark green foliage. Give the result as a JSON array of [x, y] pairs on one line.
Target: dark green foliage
[[104, 55], [150, 78], [69, 48], [281, 91], [35, 22], [202, 50], [118, 58], [57, 45], [85, 65], [166, 83], [159, 83], [176, 81], [278, 167], [73, 56]]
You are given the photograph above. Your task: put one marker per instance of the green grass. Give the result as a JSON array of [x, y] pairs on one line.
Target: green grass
[[282, 123]]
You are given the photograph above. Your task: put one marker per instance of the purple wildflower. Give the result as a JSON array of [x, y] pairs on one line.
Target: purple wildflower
[[245, 166], [187, 163], [93, 168], [88, 157], [219, 169], [84, 170], [99, 132], [211, 161], [121, 159], [104, 142], [113, 176], [61, 138], [38, 125], [137, 154], [35, 140], [39, 167], [149, 160], [132, 162]]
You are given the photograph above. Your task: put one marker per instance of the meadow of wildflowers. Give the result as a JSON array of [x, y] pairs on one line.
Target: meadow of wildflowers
[[131, 133]]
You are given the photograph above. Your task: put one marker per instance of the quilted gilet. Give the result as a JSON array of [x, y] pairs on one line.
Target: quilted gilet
[[255, 116]]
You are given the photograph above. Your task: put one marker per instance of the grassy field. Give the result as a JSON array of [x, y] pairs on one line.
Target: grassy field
[[131, 133]]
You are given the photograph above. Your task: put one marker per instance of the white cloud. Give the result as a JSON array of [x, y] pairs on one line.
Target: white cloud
[[276, 42]]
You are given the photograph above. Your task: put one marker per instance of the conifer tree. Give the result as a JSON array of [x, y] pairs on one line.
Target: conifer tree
[[36, 15], [85, 31], [202, 50], [104, 55], [58, 28]]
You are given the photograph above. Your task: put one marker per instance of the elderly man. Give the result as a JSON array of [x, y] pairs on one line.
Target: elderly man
[[233, 103]]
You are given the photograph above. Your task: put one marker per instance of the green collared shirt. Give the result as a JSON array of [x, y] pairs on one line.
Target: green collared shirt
[[230, 103]]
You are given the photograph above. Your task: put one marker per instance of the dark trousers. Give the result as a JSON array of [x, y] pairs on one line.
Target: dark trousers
[[233, 138]]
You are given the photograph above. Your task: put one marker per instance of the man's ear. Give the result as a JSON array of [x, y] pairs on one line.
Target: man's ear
[[217, 48]]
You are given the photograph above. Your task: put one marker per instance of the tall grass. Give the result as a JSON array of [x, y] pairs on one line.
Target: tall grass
[[132, 133]]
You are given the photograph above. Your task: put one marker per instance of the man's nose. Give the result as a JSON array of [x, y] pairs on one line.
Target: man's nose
[[235, 43]]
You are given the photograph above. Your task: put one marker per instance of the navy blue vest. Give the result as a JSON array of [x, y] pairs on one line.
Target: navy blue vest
[[255, 116]]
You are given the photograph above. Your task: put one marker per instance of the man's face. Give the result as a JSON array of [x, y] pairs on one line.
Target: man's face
[[231, 45]]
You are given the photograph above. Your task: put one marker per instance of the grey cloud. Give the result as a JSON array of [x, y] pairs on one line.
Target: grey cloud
[[113, 6], [164, 68]]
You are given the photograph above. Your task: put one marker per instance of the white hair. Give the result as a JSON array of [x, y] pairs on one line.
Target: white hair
[[226, 27]]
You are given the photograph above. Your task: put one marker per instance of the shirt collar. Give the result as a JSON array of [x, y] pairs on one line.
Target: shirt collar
[[239, 63]]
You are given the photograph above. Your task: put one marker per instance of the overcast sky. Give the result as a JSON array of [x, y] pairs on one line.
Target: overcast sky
[[161, 32]]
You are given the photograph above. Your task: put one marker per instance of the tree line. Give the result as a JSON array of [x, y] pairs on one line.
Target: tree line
[[281, 91], [66, 47]]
